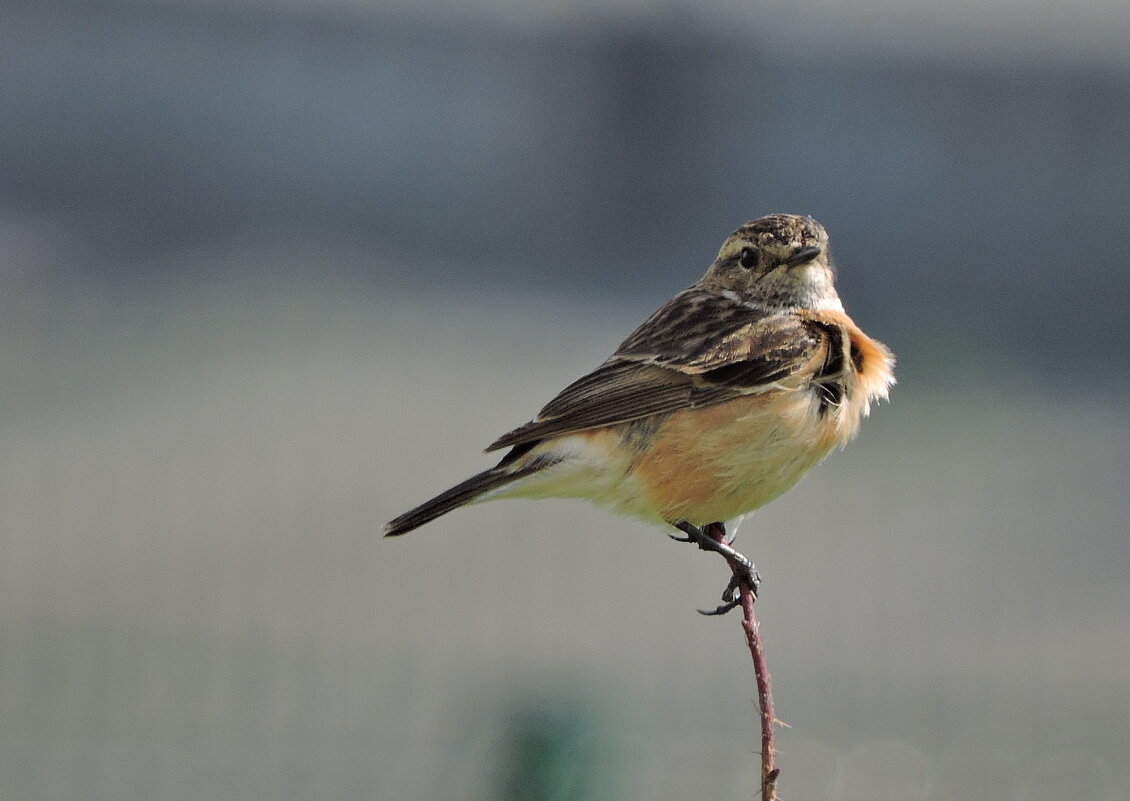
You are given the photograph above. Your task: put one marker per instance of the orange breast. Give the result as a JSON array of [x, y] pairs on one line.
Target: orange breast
[[719, 462]]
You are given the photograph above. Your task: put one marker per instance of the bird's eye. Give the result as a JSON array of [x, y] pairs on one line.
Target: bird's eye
[[748, 258]]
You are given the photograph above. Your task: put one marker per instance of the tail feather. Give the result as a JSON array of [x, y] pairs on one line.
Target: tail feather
[[467, 492]]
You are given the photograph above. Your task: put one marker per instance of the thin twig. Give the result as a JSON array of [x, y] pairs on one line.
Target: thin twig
[[769, 770]]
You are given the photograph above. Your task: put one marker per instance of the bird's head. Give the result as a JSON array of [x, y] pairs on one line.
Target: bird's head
[[778, 262]]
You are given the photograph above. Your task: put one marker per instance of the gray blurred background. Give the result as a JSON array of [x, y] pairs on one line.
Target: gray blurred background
[[270, 273]]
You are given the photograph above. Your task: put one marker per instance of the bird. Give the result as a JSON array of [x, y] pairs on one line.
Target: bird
[[719, 402]]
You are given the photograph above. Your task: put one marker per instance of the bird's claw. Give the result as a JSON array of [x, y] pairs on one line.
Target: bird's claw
[[721, 609], [730, 599]]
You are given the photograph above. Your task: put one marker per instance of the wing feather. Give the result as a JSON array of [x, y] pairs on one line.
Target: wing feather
[[698, 350]]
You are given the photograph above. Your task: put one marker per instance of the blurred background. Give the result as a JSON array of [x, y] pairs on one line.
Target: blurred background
[[273, 272]]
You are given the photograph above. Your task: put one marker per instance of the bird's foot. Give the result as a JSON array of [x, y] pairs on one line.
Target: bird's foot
[[712, 537]]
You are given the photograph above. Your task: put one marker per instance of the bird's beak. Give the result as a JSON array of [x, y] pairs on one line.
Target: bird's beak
[[803, 256]]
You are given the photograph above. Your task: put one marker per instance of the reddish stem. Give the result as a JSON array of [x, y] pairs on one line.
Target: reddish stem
[[752, 628]]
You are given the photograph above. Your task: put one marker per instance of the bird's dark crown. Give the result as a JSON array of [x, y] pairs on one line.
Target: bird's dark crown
[[780, 231]]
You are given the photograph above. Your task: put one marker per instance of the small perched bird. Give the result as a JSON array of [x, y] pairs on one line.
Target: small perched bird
[[722, 400]]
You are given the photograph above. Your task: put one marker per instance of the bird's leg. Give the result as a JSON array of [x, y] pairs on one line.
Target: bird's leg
[[712, 537], [702, 537]]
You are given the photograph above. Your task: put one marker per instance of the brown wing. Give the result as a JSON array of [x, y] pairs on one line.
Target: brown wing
[[699, 349]]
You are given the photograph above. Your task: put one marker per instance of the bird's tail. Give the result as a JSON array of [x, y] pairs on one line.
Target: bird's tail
[[469, 491]]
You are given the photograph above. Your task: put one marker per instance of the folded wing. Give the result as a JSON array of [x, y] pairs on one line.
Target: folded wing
[[699, 349]]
